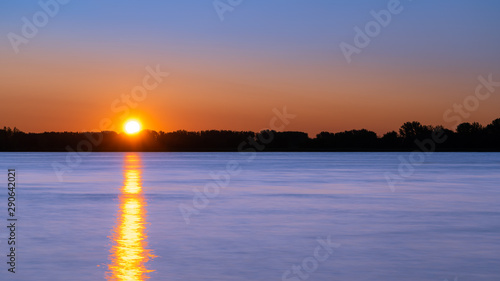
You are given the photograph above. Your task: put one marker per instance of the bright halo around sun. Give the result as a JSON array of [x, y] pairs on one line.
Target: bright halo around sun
[[132, 127]]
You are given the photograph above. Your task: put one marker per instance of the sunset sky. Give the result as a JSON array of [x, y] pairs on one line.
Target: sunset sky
[[230, 74]]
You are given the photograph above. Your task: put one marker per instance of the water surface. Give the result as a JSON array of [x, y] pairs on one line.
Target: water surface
[[117, 216]]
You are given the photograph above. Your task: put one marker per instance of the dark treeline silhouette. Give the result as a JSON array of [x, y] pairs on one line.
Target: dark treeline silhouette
[[411, 136]]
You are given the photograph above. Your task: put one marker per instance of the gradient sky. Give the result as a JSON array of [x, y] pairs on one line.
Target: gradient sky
[[230, 74]]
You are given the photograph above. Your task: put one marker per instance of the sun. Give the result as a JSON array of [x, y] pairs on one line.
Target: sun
[[132, 127]]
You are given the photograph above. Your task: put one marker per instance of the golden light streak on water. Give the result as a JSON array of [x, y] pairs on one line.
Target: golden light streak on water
[[129, 253]]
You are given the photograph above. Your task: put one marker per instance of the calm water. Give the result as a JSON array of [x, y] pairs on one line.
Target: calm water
[[123, 216]]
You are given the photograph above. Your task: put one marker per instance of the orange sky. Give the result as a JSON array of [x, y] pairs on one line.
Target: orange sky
[[49, 92], [224, 78]]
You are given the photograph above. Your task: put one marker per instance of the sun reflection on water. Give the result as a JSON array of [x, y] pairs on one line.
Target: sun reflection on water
[[129, 253]]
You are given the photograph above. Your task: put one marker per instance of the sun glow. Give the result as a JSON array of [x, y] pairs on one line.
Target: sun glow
[[130, 253], [132, 127]]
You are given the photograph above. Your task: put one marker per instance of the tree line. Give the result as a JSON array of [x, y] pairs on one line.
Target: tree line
[[466, 137]]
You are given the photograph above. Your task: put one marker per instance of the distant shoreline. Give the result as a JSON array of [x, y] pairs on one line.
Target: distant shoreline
[[261, 152], [412, 136]]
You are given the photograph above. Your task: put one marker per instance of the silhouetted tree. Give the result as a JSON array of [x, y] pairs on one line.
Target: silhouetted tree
[[469, 129], [412, 130], [391, 140], [468, 137]]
